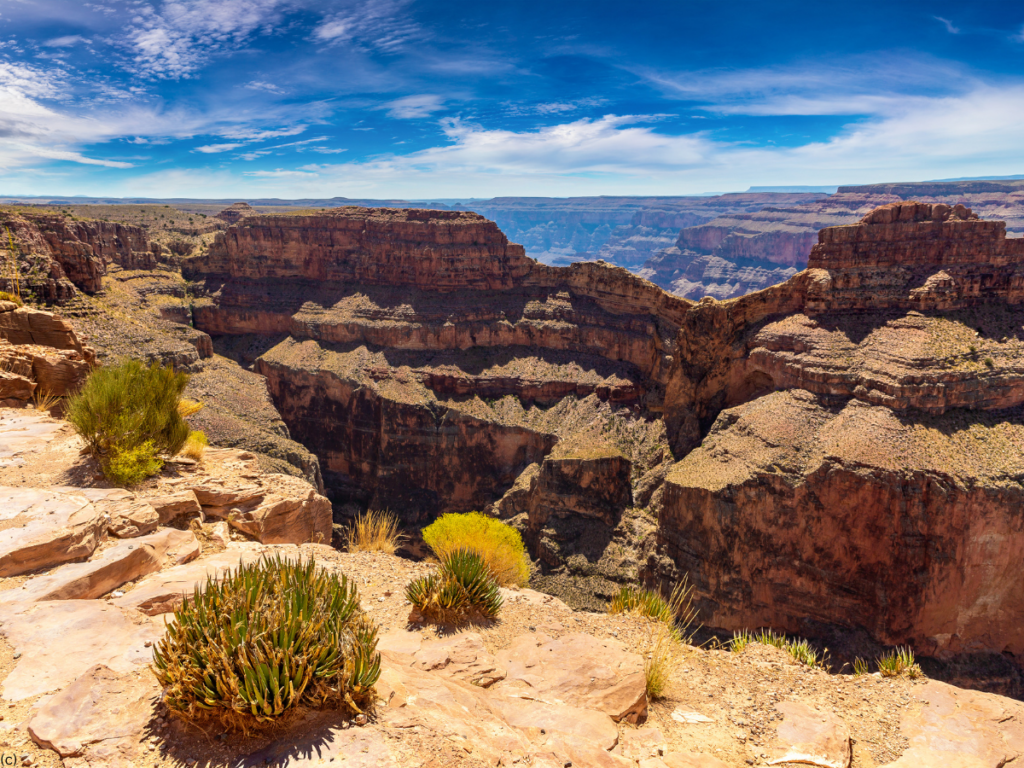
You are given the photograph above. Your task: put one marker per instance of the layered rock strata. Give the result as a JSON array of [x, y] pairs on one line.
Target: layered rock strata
[[55, 255], [861, 468], [401, 328]]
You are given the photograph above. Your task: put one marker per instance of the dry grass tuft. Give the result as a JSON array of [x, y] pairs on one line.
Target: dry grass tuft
[[188, 407], [45, 400], [899, 663], [375, 531], [195, 445], [660, 661]]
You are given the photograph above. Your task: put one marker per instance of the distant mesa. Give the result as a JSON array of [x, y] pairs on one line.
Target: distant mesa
[[236, 212]]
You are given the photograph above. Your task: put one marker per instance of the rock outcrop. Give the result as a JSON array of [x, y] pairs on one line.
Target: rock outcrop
[[398, 326], [865, 424], [55, 254]]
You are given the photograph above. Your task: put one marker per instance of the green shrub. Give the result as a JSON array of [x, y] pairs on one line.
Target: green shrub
[[740, 640], [130, 466], [126, 406], [462, 590], [860, 667], [801, 650], [269, 637], [499, 545], [5, 296], [899, 662]]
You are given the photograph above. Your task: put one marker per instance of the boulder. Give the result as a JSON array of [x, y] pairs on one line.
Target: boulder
[[162, 592], [131, 518], [102, 711], [950, 727], [15, 387], [59, 640], [45, 527], [286, 510], [811, 737], [124, 562], [578, 669], [173, 505], [25, 325], [462, 656]]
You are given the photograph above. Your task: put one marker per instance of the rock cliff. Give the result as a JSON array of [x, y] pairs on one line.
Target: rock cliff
[[55, 254], [865, 423], [835, 450]]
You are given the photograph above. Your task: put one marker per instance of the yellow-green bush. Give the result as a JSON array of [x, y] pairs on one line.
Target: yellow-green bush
[[5, 296], [130, 466], [271, 636], [499, 545], [128, 415]]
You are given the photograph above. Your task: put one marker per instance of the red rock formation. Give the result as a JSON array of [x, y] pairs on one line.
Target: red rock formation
[[56, 254], [235, 213], [872, 491]]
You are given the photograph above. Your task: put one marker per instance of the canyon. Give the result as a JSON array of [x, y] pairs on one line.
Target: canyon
[[839, 451]]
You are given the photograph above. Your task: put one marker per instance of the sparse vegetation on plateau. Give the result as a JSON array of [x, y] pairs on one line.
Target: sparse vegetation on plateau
[[898, 663], [5, 296], [801, 650], [463, 590], [677, 612], [128, 415], [498, 545], [375, 531], [269, 637]]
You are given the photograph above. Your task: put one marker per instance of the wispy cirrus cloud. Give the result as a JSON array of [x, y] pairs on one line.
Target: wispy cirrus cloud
[[949, 25], [379, 24], [178, 37]]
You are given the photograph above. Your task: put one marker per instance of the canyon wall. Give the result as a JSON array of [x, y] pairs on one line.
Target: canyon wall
[[864, 425], [56, 255], [424, 358]]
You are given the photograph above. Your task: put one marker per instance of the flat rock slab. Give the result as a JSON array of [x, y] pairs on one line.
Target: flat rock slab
[[162, 592], [957, 728], [684, 760], [351, 747], [579, 670], [25, 432], [129, 519], [41, 527], [462, 656], [811, 737], [100, 711], [62, 639], [121, 563]]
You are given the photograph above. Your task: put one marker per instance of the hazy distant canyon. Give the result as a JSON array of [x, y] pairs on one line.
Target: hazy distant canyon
[[722, 246]]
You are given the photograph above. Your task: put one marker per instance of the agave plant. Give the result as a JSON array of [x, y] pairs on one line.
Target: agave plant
[[271, 636], [463, 589]]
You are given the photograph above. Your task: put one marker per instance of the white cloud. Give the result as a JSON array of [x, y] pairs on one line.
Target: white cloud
[[972, 134], [410, 107], [260, 85], [950, 27], [212, 149], [67, 41]]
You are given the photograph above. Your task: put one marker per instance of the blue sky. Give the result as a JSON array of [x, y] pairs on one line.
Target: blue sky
[[417, 99]]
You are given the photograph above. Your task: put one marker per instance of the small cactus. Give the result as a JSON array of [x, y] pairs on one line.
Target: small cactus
[[270, 636], [463, 589]]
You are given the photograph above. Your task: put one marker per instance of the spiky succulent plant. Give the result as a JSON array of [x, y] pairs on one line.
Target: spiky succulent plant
[[463, 589], [272, 635]]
